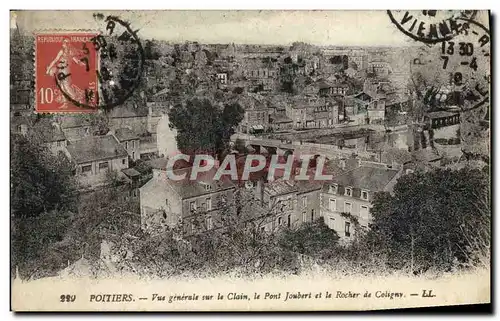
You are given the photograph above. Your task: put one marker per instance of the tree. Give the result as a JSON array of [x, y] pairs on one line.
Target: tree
[[204, 128], [239, 145], [433, 218], [43, 197], [40, 181], [313, 239], [150, 50]]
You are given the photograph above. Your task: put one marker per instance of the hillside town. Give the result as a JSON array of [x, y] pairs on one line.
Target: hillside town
[[349, 106]]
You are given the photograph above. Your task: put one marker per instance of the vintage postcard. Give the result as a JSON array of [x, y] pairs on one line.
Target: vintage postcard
[[249, 160]]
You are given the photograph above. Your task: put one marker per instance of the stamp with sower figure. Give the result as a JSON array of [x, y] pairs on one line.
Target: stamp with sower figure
[[83, 71], [73, 60]]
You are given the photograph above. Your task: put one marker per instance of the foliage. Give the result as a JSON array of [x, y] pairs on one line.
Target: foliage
[[43, 197], [40, 181], [202, 127], [431, 217], [312, 239], [239, 145], [150, 51]]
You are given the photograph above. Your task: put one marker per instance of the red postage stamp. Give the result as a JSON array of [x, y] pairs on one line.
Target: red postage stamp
[[66, 70]]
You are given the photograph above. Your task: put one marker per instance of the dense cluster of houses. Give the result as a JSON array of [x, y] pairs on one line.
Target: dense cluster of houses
[[199, 206], [280, 89], [298, 87]]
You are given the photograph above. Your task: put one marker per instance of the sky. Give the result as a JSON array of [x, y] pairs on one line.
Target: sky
[[335, 28]]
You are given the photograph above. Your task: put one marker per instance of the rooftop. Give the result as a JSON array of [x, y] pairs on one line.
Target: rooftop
[[94, 148], [49, 130], [72, 121], [441, 114], [123, 134], [368, 177], [279, 119], [204, 184], [132, 108]]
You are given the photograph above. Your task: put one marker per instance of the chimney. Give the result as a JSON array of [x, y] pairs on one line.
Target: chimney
[[259, 191], [56, 125], [342, 163]]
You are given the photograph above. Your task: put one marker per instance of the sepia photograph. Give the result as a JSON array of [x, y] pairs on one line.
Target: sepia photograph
[[244, 160]]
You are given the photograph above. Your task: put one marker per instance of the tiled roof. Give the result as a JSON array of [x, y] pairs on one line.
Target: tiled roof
[[72, 121], [276, 118], [280, 187], [131, 172], [49, 131], [187, 188], [367, 177], [440, 114], [131, 108], [123, 134], [322, 84], [308, 186], [96, 148]]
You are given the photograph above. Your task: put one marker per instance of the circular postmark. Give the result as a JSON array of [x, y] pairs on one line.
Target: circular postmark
[[467, 60], [430, 26], [119, 62]]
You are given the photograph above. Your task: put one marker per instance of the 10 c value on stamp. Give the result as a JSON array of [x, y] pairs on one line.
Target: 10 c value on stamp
[[66, 71]]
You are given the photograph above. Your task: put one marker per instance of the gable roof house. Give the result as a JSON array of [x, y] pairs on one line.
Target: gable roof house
[[346, 200], [95, 156], [52, 135], [196, 204]]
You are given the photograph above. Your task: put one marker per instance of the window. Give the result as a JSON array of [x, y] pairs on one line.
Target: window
[[58, 143], [304, 201], [133, 155], [87, 169], [103, 166], [209, 203], [192, 206], [333, 189], [348, 207], [166, 202], [364, 195], [312, 215], [164, 215], [280, 220], [304, 217], [209, 222], [289, 220], [126, 145], [333, 204], [347, 229], [348, 191], [364, 211], [123, 161], [331, 223], [208, 187]]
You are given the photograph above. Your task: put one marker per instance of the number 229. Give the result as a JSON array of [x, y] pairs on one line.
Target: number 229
[[67, 298]]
